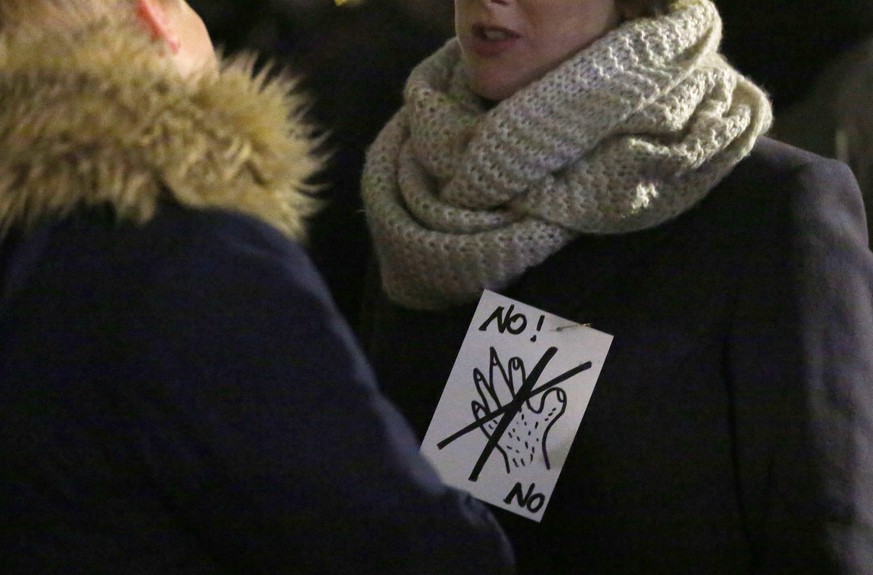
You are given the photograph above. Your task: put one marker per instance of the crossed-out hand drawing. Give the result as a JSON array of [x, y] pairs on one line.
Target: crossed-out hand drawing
[[528, 430]]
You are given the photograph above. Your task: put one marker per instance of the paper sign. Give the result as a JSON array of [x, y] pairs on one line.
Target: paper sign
[[513, 403]]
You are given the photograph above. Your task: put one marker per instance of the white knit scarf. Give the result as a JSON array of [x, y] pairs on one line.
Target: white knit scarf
[[626, 135]]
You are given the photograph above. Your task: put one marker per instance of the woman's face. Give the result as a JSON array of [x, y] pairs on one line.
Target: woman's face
[[507, 44]]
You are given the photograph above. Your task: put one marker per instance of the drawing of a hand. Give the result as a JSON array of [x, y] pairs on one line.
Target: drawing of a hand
[[528, 431]]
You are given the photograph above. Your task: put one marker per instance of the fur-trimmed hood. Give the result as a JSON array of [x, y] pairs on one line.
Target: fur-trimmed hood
[[101, 116]]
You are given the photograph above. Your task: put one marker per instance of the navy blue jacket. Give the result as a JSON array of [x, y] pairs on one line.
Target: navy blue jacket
[[731, 430], [183, 398]]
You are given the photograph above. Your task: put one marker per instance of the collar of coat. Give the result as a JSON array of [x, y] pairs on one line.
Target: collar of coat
[[100, 116]]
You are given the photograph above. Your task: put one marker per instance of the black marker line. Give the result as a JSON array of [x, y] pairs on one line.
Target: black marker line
[[512, 409], [493, 415]]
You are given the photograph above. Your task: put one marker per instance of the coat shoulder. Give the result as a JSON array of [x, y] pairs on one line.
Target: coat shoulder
[[774, 160], [774, 165], [780, 182]]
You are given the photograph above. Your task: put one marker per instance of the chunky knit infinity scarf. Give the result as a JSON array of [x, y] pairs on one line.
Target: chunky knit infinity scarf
[[627, 134]]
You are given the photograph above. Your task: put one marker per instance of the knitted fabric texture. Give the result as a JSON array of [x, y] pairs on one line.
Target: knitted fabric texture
[[625, 135], [99, 115]]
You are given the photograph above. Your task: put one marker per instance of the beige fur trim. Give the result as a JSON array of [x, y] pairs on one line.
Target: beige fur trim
[[101, 116]]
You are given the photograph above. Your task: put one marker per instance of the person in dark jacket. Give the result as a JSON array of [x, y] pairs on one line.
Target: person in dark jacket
[[600, 161], [178, 394]]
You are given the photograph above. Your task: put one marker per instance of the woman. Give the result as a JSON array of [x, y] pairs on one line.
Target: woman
[[599, 160], [177, 392]]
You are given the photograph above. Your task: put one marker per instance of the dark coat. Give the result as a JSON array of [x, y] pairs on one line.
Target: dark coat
[[731, 430], [183, 397], [357, 86]]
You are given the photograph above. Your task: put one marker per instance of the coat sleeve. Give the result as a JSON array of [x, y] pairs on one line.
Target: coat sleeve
[[262, 425], [802, 359]]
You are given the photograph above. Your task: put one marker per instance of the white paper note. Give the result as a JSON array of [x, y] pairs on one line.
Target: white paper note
[[513, 404]]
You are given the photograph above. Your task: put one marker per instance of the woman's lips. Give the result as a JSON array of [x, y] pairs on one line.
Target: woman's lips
[[488, 41]]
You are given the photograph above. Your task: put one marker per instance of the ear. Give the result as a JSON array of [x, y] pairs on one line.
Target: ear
[[152, 14]]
